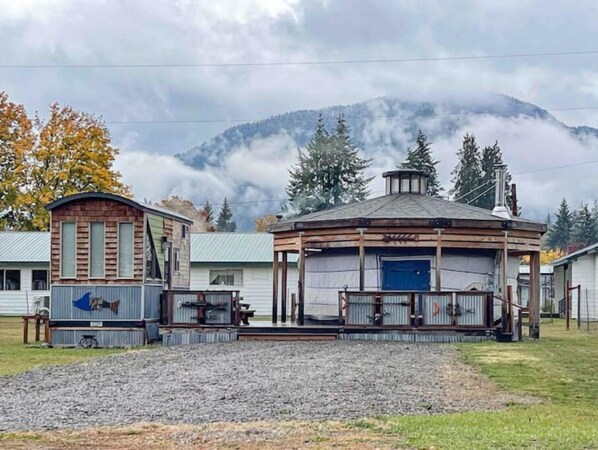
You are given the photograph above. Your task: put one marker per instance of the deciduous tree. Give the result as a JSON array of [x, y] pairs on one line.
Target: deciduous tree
[[261, 223]]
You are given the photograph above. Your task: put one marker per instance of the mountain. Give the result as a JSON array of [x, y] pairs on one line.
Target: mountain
[[384, 128], [409, 115]]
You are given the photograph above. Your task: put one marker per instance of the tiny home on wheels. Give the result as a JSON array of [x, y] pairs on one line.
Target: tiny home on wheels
[[110, 259], [409, 261]]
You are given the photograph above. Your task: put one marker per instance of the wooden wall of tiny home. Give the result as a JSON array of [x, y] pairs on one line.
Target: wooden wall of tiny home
[[255, 286], [82, 213], [22, 300], [330, 271]]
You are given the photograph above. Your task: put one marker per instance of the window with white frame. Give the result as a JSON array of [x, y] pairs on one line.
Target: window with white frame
[[97, 249], [68, 249], [125, 250], [39, 280], [226, 277], [10, 280]]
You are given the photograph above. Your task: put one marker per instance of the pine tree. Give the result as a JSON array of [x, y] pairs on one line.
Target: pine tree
[[329, 172], [559, 234], [225, 222], [420, 158], [585, 228], [492, 157], [207, 208], [467, 175]]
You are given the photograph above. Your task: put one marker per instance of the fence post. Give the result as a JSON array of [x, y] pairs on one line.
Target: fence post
[[568, 304], [578, 306]]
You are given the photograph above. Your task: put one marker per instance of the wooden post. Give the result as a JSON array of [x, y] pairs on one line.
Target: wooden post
[[510, 327], [283, 289], [514, 206], [275, 287], [504, 281], [438, 278], [361, 261], [301, 283], [578, 306], [26, 330], [534, 295], [38, 323], [568, 304], [293, 307]]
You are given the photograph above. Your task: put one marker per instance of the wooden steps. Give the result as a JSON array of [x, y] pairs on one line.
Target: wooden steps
[[287, 337]]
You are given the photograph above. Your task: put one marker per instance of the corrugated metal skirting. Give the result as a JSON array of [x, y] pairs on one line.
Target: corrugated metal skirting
[[397, 309], [151, 302], [62, 297], [183, 314], [105, 338], [472, 310], [412, 337], [185, 338], [360, 309]]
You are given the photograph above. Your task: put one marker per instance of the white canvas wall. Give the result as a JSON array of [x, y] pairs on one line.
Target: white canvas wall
[[327, 274], [21, 302], [257, 284]]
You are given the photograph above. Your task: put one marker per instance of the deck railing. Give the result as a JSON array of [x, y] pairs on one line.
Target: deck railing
[[402, 309], [200, 308]]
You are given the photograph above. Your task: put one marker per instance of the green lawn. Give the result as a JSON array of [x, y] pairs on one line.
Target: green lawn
[[561, 370], [16, 357]]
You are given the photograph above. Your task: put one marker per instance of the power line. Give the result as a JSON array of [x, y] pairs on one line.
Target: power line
[[300, 63], [355, 116]]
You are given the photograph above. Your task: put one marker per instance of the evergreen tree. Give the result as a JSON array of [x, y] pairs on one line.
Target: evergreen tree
[[329, 172], [585, 228], [492, 157], [209, 213], [225, 222], [559, 234], [420, 158], [467, 175]]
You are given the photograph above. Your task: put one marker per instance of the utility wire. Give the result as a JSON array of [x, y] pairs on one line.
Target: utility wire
[[355, 116], [300, 63]]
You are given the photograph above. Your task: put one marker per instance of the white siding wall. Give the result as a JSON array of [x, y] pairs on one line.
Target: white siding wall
[[257, 284], [584, 273], [16, 302]]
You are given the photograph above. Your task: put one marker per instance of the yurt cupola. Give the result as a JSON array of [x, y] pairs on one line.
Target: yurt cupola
[[406, 181]]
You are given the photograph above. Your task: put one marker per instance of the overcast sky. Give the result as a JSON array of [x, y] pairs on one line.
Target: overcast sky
[[187, 32]]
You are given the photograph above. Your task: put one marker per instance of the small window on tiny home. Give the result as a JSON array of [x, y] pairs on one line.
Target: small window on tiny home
[[68, 249], [177, 260], [12, 280], [226, 277], [184, 231], [97, 249], [39, 280], [152, 263], [125, 250]]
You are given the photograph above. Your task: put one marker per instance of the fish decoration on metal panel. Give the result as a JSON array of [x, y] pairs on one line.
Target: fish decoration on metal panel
[[89, 303]]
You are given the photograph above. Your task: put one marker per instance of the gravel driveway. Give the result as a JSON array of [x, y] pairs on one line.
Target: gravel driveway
[[246, 381]]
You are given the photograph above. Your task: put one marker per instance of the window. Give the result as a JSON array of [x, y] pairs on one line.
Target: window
[[12, 280], [125, 250], [39, 280], [177, 260], [184, 231], [68, 249], [96, 250], [226, 277]]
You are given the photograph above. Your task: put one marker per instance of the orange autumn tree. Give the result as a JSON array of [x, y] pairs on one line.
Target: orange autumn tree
[[67, 153], [261, 223], [16, 139]]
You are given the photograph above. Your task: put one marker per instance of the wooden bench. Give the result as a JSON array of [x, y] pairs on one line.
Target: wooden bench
[[245, 314]]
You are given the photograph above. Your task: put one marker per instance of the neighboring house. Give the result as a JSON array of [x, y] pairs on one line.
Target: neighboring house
[[546, 288], [24, 265], [239, 261], [579, 268]]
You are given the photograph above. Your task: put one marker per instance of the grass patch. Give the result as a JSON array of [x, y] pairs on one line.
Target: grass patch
[[561, 369], [15, 357]]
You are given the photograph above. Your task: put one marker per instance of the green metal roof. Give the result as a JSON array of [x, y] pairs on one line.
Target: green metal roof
[[233, 248], [24, 247]]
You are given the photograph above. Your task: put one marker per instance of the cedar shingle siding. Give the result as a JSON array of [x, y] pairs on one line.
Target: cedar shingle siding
[[96, 210]]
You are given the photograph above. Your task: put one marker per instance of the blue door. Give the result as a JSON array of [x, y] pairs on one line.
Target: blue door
[[406, 275]]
